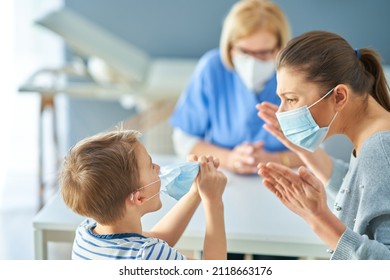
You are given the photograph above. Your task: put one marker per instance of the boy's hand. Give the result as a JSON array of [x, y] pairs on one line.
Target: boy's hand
[[194, 187], [192, 157], [211, 182], [195, 158]]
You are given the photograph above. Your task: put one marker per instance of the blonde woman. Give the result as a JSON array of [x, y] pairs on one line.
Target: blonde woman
[[217, 111]]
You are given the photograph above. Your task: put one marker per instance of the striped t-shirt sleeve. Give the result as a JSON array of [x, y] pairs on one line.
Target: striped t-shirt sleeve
[[130, 246], [160, 251]]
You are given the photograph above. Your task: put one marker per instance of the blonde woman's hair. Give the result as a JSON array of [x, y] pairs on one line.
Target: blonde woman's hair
[[99, 173], [247, 17]]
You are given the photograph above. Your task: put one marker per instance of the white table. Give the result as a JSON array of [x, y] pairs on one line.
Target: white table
[[256, 222]]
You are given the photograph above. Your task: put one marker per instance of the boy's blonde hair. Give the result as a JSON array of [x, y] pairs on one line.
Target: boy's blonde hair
[[247, 17], [99, 173]]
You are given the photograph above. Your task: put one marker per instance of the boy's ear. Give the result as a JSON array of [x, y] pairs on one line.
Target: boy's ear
[[135, 199]]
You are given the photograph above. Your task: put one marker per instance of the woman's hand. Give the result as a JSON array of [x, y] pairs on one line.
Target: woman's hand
[[241, 159], [302, 193], [305, 195], [244, 158]]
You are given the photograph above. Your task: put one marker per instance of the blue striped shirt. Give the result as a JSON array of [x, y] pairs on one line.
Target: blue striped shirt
[[90, 246]]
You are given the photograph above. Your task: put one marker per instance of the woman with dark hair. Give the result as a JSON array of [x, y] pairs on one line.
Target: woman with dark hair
[[326, 88]]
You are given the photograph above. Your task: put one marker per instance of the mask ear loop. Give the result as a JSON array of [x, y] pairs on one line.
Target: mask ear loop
[[156, 194], [321, 98], [132, 194], [158, 180], [335, 115]]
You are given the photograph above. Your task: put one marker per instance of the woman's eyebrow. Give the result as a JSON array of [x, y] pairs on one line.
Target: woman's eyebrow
[[284, 93]]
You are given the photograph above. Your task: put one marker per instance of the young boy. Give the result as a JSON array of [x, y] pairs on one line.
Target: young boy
[[111, 179]]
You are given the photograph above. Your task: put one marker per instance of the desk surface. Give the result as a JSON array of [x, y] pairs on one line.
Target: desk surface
[[255, 220]]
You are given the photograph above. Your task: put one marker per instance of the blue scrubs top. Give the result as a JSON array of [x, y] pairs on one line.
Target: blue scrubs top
[[217, 107]]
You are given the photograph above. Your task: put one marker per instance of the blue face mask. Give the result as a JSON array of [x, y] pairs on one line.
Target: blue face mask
[[177, 179], [301, 129]]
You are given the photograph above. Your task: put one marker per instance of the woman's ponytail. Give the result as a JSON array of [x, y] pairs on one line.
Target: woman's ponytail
[[380, 91]]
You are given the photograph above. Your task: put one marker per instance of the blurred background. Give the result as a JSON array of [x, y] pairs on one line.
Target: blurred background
[[169, 29]]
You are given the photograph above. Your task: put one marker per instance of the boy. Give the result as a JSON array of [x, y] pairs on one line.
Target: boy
[[111, 179]]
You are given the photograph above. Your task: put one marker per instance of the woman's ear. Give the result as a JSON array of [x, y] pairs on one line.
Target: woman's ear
[[341, 96]]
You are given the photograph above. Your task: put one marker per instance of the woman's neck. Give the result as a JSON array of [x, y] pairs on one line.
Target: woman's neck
[[363, 122]]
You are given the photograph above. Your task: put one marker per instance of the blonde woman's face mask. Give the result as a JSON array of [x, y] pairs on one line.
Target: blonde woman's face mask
[[253, 59]]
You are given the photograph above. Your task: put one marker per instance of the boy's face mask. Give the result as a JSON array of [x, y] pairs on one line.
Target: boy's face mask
[[177, 179], [301, 129]]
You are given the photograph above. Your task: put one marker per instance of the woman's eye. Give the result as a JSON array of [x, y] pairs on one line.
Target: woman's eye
[[290, 100]]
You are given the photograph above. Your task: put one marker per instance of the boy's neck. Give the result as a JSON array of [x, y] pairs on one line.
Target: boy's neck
[[125, 225]]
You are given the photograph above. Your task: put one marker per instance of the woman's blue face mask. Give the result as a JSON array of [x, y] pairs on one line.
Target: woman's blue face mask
[[301, 129]]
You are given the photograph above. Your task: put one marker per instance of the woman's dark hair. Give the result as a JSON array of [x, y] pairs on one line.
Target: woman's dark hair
[[328, 59]]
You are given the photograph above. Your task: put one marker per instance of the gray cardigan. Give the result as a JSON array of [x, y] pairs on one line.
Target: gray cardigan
[[361, 195]]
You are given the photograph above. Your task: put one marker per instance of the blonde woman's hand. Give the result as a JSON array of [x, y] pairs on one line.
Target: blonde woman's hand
[[242, 160]]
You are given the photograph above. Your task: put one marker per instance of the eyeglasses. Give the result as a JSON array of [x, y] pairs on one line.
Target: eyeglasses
[[262, 54]]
